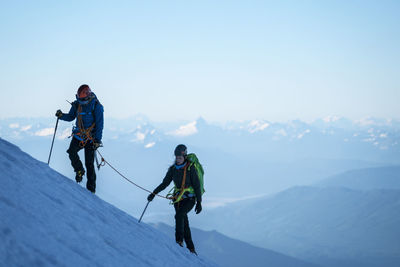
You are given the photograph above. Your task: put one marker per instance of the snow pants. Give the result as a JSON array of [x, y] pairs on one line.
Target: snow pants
[[182, 229], [76, 163]]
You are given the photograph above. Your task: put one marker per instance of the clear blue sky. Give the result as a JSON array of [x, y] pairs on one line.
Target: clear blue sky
[[223, 60]]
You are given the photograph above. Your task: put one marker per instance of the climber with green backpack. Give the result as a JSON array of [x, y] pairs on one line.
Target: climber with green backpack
[[187, 174]]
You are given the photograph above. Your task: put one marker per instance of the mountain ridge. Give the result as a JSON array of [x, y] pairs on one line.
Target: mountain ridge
[[323, 225], [386, 177]]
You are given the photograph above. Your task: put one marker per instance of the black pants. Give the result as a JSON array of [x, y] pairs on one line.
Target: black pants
[[182, 229], [76, 163]]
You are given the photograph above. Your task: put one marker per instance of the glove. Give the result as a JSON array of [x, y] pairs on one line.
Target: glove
[[151, 197], [198, 208], [97, 144], [59, 113]]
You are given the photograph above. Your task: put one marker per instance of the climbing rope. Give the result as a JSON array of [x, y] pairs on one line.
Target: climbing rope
[[123, 176]]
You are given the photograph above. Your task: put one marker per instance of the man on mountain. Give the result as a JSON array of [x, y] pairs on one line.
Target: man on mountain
[[87, 133]]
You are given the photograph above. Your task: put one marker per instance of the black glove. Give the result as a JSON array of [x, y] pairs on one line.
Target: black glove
[[151, 197], [59, 113], [198, 207], [97, 144]]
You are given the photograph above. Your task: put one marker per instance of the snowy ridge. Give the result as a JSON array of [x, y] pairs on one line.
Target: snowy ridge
[[47, 220]]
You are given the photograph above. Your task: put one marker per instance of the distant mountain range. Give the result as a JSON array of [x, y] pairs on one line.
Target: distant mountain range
[[329, 226], [366, 179], [241, 159], [369, 139], [228, 252]]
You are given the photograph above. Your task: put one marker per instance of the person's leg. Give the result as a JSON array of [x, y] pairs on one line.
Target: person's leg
[[187, 234], [89, 163], [73, 155], [181, 210], [178, 224]]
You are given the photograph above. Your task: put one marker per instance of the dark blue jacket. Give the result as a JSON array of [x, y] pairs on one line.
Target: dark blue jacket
[[91, 112]]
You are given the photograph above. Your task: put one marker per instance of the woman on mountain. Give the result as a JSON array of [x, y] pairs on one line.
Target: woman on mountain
[[188, 191]]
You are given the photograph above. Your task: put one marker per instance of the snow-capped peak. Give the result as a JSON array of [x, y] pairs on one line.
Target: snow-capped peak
[[185, 130], [256, 126], [331, 118]]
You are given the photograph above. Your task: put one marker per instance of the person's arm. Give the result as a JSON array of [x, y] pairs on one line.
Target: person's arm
[[99, 123], [166, 181], [71, 115], [195, 181]]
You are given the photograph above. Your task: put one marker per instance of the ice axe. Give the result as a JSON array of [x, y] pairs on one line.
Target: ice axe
[[52, 143]]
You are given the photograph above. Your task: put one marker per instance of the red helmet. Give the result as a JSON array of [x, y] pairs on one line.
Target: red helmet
[[83, 91]]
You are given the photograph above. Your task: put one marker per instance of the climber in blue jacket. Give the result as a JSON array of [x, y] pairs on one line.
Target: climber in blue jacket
[[87, 133]]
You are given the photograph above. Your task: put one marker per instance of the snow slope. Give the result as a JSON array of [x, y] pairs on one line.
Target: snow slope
[[47, 220]]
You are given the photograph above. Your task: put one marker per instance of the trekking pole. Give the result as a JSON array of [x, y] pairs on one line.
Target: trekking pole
[[52, 143], [144, 211]]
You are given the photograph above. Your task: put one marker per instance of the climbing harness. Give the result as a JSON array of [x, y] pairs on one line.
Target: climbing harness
[[83, 135], [178, 194]]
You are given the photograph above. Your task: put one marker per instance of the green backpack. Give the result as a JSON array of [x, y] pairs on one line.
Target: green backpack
[[175, 195], [194, 161]]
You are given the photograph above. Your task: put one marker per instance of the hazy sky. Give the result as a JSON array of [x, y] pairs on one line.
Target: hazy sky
[[223, 60]]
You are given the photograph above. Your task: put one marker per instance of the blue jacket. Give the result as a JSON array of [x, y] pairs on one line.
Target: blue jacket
[[91, 112]]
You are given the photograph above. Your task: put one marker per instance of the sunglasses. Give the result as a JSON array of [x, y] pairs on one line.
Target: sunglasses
[[86, 98]]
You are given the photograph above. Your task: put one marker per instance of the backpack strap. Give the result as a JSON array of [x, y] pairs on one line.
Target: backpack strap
[[183, 182], [176, 198], [183, 185]]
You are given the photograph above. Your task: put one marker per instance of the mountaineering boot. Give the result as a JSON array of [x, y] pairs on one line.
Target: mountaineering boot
[[180, 243], [79, 175], [193, 251]]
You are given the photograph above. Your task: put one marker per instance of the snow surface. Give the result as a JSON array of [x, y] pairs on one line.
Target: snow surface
[[46, 219]]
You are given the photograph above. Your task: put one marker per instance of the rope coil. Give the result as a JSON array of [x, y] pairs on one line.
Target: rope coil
[[123, 176]]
